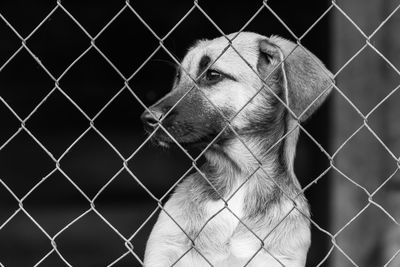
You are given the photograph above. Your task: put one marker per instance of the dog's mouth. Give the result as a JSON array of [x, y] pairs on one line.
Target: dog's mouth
[[187, 135]]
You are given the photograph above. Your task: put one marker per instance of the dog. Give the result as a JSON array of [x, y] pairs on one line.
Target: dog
[[246, 95]]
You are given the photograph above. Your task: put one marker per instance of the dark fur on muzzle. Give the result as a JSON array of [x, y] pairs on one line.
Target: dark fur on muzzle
[[191, 122]]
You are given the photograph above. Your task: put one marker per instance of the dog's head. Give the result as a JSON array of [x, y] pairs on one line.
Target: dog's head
[[218, 83]]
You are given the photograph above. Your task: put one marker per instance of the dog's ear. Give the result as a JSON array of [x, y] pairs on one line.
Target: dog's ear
[[305, 81]]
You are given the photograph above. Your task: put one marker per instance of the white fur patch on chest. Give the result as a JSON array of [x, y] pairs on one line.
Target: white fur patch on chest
[[215, 230], [227, 213]]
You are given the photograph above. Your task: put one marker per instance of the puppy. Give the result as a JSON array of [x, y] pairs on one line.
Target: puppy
[[244, 206]]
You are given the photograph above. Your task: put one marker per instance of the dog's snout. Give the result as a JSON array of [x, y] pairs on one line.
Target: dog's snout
[[150, 118]]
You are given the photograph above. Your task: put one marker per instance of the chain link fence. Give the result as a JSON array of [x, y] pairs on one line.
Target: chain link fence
[[91, 125]]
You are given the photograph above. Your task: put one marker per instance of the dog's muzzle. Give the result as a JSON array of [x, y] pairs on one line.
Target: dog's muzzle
[[189, 122]]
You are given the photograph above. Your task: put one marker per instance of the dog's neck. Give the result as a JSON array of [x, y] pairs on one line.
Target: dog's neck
[[244, 161]]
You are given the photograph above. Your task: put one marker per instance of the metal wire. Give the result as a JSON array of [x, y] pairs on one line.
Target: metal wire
[[130, 250]]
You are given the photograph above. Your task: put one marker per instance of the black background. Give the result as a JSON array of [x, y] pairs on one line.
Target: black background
[[91, 83]]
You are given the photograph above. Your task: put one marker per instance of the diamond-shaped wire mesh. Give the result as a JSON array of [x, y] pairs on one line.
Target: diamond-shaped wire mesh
[[124, 159]]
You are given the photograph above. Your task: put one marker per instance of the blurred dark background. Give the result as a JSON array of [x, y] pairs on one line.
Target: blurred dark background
[[91, 83]]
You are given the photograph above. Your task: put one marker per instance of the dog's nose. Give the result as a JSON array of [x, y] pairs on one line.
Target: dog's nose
[[150, 120]]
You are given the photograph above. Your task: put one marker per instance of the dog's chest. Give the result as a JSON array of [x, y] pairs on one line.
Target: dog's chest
[[211, 224]]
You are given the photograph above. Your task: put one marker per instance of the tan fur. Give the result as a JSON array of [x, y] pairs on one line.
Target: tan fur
[[259, 225]]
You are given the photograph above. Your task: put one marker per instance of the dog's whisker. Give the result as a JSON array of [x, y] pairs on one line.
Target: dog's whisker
[[168, 62]]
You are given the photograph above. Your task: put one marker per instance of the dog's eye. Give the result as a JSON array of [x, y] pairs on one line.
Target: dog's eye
[[212, 76]]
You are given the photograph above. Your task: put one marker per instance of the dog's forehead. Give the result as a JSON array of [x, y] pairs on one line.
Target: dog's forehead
[[244, 49]]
